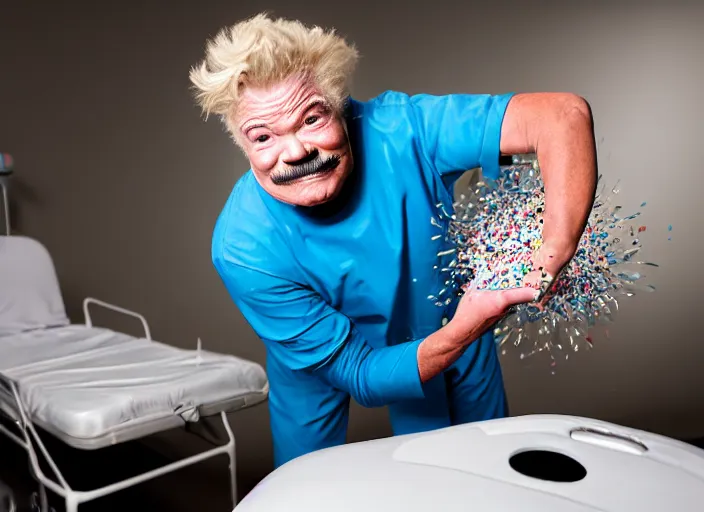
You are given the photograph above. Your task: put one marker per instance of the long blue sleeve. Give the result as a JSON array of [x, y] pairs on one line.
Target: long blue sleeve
[[306, 334]]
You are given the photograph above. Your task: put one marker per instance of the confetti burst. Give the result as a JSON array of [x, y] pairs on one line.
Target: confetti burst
[[492, 235]]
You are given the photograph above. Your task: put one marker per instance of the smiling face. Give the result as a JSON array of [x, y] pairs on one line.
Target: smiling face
[[297, 146]]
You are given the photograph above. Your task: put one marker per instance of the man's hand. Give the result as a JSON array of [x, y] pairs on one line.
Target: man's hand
[[476, 312], [548, 261]]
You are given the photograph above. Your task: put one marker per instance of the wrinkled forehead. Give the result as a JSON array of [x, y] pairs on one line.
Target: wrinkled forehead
[[282, 99]]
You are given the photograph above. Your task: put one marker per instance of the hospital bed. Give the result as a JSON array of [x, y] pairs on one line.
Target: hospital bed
[[92, 387]]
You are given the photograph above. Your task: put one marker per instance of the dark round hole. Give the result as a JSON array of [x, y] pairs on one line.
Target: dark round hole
[[547, 465]]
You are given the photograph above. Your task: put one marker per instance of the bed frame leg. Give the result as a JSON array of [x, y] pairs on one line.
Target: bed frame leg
[[43, 500], [233, 459], [71, 503]]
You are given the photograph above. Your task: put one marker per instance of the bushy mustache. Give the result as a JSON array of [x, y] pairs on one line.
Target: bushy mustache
[[314, 165]]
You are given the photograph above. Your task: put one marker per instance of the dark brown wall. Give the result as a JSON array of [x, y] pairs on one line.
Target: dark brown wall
[[120, 177]]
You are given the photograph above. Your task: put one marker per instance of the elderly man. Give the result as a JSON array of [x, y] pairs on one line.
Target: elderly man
[[325, 243]]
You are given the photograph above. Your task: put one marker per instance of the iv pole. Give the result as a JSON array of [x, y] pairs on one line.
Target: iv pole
[[6, 168]]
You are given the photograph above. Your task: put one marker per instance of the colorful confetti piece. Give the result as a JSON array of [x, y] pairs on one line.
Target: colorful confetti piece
[[493, 234]]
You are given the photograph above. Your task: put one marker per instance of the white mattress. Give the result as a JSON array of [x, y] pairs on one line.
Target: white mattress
[[94, 386]]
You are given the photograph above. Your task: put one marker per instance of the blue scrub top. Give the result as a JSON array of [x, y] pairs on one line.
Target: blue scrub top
[[339, 293]]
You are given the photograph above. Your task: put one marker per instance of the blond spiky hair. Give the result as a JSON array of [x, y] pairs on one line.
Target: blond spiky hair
[[260, 52]]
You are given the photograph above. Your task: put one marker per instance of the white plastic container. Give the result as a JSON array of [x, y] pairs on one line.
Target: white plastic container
[[571, 464]]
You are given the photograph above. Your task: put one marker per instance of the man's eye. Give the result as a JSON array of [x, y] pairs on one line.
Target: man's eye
[[262, 138], [311, 119]]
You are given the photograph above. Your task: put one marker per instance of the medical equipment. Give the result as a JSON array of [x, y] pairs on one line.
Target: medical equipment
[[92, 387], [539, 463], [6, 168]]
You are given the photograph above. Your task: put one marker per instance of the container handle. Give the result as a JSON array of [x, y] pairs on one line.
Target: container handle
[[608, 439]]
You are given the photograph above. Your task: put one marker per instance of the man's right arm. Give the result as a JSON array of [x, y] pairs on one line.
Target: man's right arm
[[305, 333]]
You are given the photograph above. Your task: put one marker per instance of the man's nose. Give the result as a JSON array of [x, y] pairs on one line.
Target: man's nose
[[294, 151]]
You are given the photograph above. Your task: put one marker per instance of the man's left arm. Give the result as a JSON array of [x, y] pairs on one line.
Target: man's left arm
[[558, 128]]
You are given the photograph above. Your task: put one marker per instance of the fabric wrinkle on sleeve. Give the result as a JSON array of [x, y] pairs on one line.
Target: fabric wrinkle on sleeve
[[459, 132], [306, 334]]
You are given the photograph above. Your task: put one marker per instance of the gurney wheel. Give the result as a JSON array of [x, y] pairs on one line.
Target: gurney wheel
[[7, 498], [36, 503], [7, 504]]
